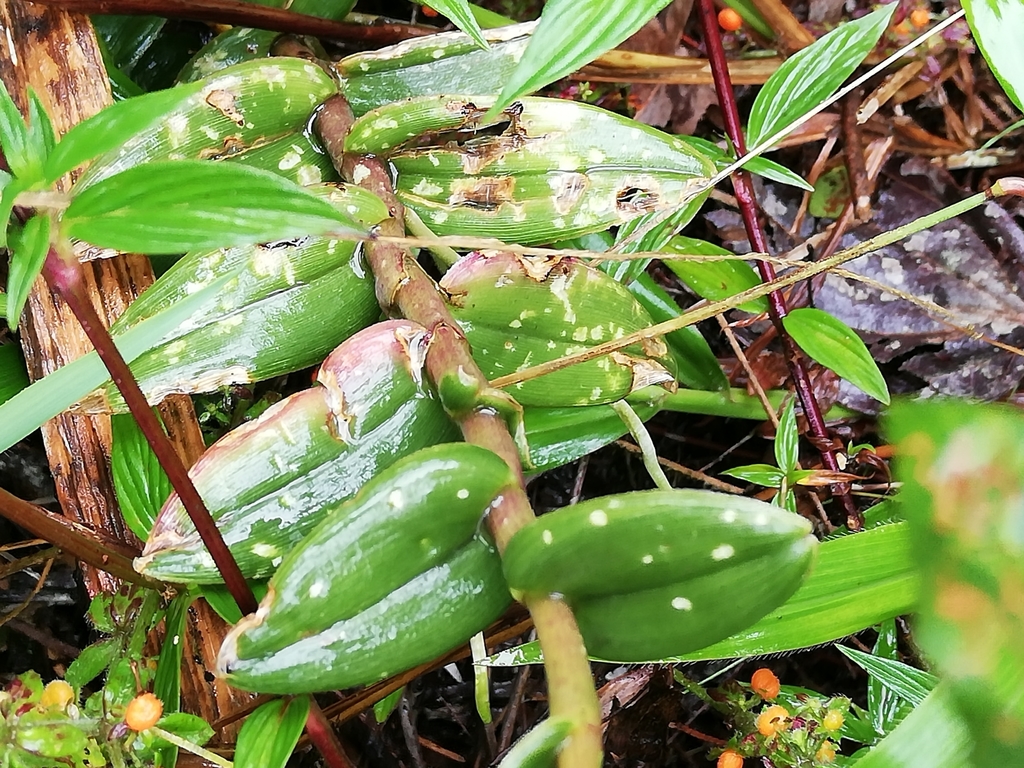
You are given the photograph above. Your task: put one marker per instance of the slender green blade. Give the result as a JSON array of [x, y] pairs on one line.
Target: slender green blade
[[13, 376], [912, 684], [459, 13], [572, 33], [176, 206], [14, 138], [809, 77], [140, 482], [29, 246], [831, 342], [270, 734]]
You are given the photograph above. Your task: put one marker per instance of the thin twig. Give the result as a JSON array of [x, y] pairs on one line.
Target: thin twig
[[755, 383]]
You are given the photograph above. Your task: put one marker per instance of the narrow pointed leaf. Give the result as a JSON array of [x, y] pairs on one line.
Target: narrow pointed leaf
[[760, 166], [787, 440], [269, 734], [29, 246], [459, 13], [14, 137], [140, 482], [538, 747], [997, 26], [835, 345], [177, 206], [759, 474], [572, 33], [906, 681], [13, 376], [41, 139], [812, 75], [713, 280]]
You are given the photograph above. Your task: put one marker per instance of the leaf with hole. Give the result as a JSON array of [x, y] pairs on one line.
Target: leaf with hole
[[832, 343]]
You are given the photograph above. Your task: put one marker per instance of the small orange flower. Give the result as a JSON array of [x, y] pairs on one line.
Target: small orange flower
[[773, 720], [730, 759], [729, 20], [427, 11], [826, 753], [920, 18], [143, 712], [57, 695], [765, 684], [833, 720]]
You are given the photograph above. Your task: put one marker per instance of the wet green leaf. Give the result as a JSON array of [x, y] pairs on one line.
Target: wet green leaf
[[93, 660], [761, 166], [787, 440], [224, 604], [810, 76], [572, 33], [177, 206], [140, 482], [833, 344], [41, 139], [759, 474], [905, 681], [997, 26], [538, 747], [14, 139], [713, 280], [269, 734], [459, 13], [831, 193], [29, 246]]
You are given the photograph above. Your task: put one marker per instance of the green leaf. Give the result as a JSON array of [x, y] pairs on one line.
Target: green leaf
[[11, 189], [269, 734], [459, 13], [13, 376], [832, 343], [713, 280], [382, 709], [189, 727], [91, 662], [224, 604], [760, 474], [572, 33], [910, 683], [167, 680], [997, 26], [14, 138], [831, 193], [962, 470], [787, 440], [140, 482], [178, 206], [538, 746], [29, 246], [760, 166], [41, 139], [885, 704], [26, 411], [809, 77], [111, 128], [932, 736]]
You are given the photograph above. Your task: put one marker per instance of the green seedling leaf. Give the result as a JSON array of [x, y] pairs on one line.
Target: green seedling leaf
[[189, 727], [13, 374], [713, 280], [835, 345], [269, 735], [382, 709], [759, 474], [176, 206], [26, 411], [932, 736], [224, 604], [858, 581], [445, 63], [8, 195], [91, 662], [29, 246], [760, 166], [962, 466], [41, 139], [787, 440], [885, 704], [111, 128], [812, 75], [831, 193], [140, 482], [14, 139], [996, 25], [905, 681], [459, 13], [538, 747], [572, 33]]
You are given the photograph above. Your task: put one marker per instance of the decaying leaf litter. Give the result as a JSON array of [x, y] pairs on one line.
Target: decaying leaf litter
[[926, 152]]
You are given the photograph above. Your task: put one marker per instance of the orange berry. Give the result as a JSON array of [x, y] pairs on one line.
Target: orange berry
[[833, 720], [730, 759], [826, 753], [57, 695], [427, 11], [773, 720], [764, 683], [143, 712], [920, 18], [729, 20]]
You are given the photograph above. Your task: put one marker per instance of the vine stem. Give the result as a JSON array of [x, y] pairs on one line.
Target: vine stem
[[65, 277], [777, 309], [404, 289]]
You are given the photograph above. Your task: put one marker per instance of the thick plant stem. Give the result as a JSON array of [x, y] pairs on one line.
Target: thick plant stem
[[404, 289], [65, 277], [755, 233]]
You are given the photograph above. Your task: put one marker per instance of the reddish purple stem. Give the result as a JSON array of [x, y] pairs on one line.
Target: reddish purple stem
[[777, 310]]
